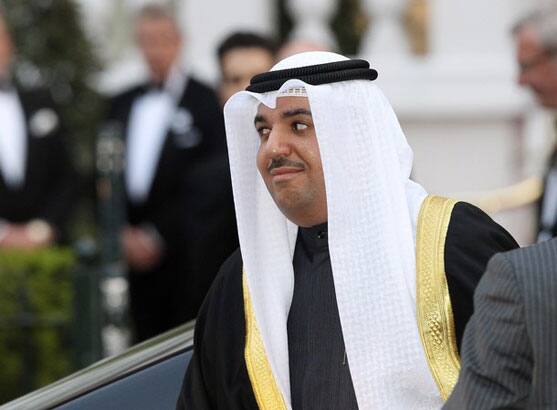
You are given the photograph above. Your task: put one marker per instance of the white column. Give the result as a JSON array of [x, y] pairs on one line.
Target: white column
[[311, 21], [385, 38]]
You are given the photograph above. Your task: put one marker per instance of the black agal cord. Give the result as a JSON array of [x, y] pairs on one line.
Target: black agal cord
[[314, 74]]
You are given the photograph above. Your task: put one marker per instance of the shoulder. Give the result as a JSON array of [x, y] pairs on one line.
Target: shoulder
[[230, 273], [126, 95], [472, 229], [220, 325], [472, 239], [536, 263], [226, 295], [200, 88], [544, 252], [199, 95], [119, 104]]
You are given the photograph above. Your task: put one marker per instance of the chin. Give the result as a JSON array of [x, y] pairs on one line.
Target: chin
[[293, 203]]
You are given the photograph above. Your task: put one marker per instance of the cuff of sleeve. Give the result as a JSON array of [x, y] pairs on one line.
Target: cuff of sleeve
[[39, 230]]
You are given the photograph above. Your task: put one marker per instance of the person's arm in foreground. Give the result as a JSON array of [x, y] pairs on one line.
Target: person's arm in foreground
[[496, 352]]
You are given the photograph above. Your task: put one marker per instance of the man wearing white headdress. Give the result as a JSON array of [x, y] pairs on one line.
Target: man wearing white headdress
[[351, 287]]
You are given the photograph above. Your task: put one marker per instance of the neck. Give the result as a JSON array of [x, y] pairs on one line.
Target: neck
[[307, 218], [160, 76], [308, 222], [158, 79]]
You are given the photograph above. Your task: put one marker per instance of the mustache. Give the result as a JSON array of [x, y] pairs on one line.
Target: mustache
[[283, 162]]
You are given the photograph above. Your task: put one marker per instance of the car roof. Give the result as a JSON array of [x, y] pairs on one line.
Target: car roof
[[108, 370]]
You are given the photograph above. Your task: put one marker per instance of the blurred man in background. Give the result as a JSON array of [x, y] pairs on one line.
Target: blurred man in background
[[175, 190], [536, 50], [508, 349], [242, 55], [37, 181]]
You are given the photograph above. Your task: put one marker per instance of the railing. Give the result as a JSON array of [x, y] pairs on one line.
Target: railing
[[49, 316], [524, 193]]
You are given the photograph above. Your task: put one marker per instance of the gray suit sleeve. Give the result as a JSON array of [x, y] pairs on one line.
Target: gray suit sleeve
[[496, 352]]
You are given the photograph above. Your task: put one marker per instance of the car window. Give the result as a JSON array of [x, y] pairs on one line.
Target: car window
[[153, 387]]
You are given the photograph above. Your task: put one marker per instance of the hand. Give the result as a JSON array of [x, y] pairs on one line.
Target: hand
[[35, 234], [142, 248]]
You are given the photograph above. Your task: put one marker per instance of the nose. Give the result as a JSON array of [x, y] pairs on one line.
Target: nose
[[278, 144]]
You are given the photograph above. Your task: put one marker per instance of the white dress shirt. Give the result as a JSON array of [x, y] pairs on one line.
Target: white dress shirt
[[13, 143], [150, 119]]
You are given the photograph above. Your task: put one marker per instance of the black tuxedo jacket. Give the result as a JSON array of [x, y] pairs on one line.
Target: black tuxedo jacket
[[191, 189], [50, 184]]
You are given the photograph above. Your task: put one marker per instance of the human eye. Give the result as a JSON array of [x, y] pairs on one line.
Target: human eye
[[263, 132], [299, 126]]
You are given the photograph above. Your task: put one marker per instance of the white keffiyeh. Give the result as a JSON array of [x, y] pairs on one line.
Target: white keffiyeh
[[372, 214]]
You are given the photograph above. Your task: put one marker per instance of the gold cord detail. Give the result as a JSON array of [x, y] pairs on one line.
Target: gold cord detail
[[264, 385], [435, 313]]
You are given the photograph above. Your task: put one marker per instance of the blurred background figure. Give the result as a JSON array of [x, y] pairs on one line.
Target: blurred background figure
[[39, 193], [37, 180], [536, 49], [242, 55], [536, 52], [172, 128]]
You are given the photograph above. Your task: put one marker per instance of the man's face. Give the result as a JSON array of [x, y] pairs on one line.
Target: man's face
[[538, 67], [6, 48], [238, 65], [289, 160], [160, 43]]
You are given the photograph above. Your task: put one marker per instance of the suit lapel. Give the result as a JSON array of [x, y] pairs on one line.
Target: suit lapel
[[27, 107], [164, 161]]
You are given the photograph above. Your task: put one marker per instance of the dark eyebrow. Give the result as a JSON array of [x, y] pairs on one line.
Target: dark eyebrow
[[258, 118], [297, 111], [285, 114]]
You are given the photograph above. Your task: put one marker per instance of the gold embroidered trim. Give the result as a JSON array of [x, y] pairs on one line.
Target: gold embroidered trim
[[435, 313], [264, 385]]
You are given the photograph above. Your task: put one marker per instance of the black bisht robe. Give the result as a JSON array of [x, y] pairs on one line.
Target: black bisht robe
[[217, 377]]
